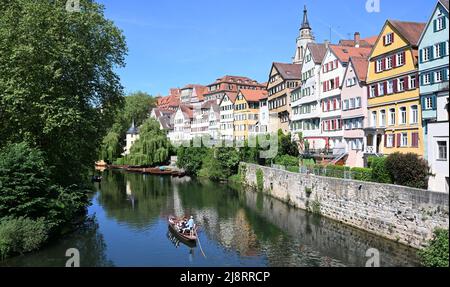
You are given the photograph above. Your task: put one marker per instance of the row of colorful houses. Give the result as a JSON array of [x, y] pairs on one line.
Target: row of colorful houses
[[343, 102]]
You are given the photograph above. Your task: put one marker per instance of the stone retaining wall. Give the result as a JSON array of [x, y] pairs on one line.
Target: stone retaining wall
[[402, 214]]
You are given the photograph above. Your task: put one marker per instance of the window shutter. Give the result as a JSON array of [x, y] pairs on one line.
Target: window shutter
[[422, 102], [337, 83], [444, 74], [376, 90], [394, 61], [336, 64], [384, 40], [430, 51], [385, 87], [383, 64], [444, 23], [385, 140], [404, 58], [399, 139], [435, 25], [421, 56], [393, 37], [434, 101], [324, 87], [406, 83], [395, 85], [443, 49], [393, 140], [431, 78]]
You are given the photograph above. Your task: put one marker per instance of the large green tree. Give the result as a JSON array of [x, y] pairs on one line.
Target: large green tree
[[58, 88], [137, 108]]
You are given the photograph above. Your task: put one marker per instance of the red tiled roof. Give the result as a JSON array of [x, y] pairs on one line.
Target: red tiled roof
[[231, 95], [318, 52], [344, 53], [363, 43], [187, 110], [289, 71], [360, 66], [411, 31], [254, 95], [235, 80]]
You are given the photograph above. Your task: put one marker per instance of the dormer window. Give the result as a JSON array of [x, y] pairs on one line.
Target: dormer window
[[439, 24]]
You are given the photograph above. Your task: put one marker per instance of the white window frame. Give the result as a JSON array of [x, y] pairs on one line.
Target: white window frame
[[389, 38], [400, 59], [414, 117], [402, 116], [426, 79], [388, 63], [438, 76], [440, 23], [404, 140], [381, 89], [390, 140], [390, 87], [425, 54], [438, 50], [382, 118], [429, 103], [438, 153], [412, 82], [400, 88], [379, 65], [392, 117]]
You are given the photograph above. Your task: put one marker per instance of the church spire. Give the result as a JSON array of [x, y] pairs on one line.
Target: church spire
[[305, 24]]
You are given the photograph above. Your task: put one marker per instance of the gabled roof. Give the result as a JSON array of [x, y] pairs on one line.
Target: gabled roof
[[361, 67], [289, 71], [344, 53], [318, 52], [187, 110], [443, 3], [363, 43], [231, 95], [254, 95], [235, 80], [410, 31]]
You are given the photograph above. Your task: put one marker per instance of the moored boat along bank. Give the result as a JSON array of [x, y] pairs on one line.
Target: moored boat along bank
[[406, 215]]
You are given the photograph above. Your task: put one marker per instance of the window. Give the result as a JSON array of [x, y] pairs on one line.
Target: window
[[358, 102], [400, 59], [390, 87], [373, 120], [382, 118], [414, 115], [390, 140], [401, 85], [440, 24], [412, 82], [389, 39], [392, 117], [372, 91], [345, 105], [381, 89], [438, 76], [438, 50], [403, 116], [404, 140], [429, 103], [379, 64], [389, 63], [442, 150], [426, 79], [425, 54]]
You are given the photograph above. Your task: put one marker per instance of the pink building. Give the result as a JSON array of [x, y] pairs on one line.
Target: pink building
[[354, 110]]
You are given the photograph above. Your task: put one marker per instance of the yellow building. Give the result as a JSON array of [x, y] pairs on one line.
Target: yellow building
[[246, 112], [395, 123]]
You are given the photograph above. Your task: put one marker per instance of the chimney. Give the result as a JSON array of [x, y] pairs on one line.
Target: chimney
[[327, 43], [357, 39]]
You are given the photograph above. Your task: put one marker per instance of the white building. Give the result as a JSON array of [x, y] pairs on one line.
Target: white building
[[132, 137], [438, 147], [214, 122], [201, 119], [182, 124], [262, 126], [305, 99], [333, 70], [227, 116]]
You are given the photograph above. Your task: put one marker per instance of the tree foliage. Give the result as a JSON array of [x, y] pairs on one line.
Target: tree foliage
[[436, 254], [152, 147], [379, 170], [408, 170], [58, 86]]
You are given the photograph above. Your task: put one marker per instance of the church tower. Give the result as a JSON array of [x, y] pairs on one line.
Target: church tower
[[306, 36]]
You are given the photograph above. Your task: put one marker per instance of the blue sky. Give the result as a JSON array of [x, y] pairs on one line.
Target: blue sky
[[178, 42]]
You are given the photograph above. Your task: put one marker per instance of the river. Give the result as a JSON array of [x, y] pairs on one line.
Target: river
[[129, 229]]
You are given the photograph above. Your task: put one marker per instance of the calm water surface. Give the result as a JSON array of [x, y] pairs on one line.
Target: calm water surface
[[237, 229]]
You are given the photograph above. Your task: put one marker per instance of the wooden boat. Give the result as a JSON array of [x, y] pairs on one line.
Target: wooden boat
[[184, 236]]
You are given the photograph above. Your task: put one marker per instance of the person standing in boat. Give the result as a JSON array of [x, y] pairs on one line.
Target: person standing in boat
[[190, 225]]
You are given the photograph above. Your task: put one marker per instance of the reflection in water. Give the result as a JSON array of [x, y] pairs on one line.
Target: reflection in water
[[236, 229]]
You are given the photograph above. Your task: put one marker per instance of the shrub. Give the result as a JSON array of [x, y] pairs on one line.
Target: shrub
[[336, 171], [436, 254], [362, 174], [379, 170], [408, 170], [21, 235], [286, 160], [260, 180], [295, 169], [191, 159]]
